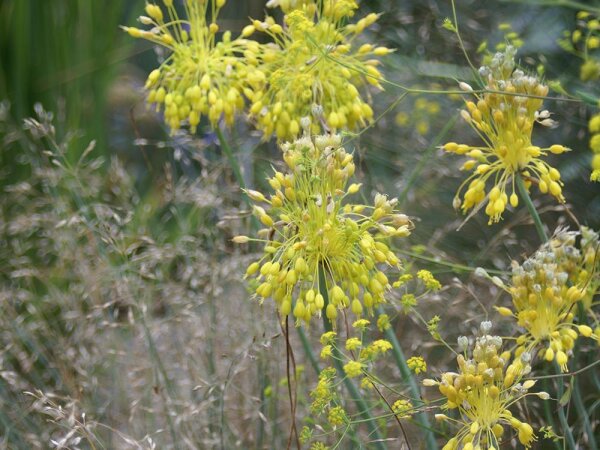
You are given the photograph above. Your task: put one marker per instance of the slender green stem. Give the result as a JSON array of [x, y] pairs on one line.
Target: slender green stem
[[420, 418], [455, 267], [582, 413], [549, 414], [232, 161], [308, 350], [539, 226], [562, 417], [363, 409], [237, 172], [461, 43]]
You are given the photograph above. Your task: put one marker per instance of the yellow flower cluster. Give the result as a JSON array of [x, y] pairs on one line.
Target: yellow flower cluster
[[323, 394], [417, 364], [316, 242], [545, 290], [505, 124], [431, 283], [353, 368], [383, 322], [366, 354], [315, 69], [594, 127], [402, 409], [482, 391], [337, 416], [200, 76]]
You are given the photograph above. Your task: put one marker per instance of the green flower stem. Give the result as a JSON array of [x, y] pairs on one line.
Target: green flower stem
[[308, 350], [539, 226], [562, 417], [582, 413], [232, 161], [456, 268], [420, 418], [363, 409], [237, 172], [549, 414]]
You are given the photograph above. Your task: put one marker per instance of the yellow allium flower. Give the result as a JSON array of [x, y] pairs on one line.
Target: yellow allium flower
[[402, 408], [383, 322], [326, 352], [375, 349], [200, 76], [417, 364], [505, 124], [337, 416], [482, 392], [353, 368], [324, 393], [545, 291], [328, 337], [312, 228], [429, 280], [361, 324], [353, 343], [315, 68]]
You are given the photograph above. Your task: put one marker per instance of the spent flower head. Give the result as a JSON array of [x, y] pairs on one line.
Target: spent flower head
[[316, 241], [505, 121], [545, 291], [482, 391], [201, 76], [315, 68]]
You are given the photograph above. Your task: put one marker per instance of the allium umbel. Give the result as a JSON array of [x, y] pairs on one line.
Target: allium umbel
[[312, 229], [315, 68], [482, 392], [200, 76], [546, 290], [505, 123]]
